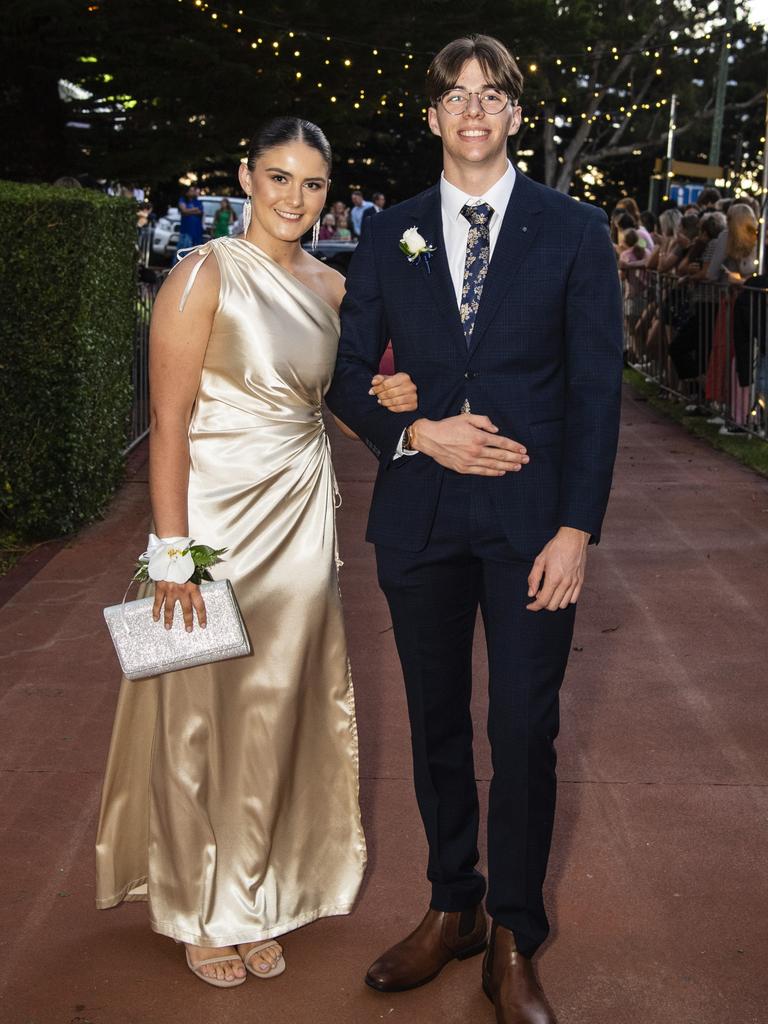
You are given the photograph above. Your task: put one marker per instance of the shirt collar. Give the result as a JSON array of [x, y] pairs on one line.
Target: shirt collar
[[453, 199]]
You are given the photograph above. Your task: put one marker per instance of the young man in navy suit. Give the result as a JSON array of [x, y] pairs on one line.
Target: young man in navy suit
[[502, 301]]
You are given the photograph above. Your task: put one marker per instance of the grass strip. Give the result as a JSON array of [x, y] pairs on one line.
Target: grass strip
[[12, 549], [750, 451]]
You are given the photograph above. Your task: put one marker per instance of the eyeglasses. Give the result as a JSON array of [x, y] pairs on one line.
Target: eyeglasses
[[456, 101]]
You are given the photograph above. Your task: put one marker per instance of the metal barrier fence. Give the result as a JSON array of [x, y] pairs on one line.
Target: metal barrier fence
[[705, 343], [144, 244], [138, 424]]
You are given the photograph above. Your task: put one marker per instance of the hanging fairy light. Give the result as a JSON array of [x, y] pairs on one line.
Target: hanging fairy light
[[577, 105], [614, 51]]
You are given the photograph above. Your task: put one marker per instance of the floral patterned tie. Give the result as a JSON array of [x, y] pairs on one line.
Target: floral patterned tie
[[476, 264]]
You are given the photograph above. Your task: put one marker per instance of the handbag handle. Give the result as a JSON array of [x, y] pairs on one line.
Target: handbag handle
[[126, 627]]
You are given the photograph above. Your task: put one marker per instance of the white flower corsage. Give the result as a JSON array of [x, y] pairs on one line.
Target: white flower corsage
[[415, 247], [176, 560]]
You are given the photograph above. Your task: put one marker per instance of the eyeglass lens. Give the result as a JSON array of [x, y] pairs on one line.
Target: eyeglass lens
[[492, 101]]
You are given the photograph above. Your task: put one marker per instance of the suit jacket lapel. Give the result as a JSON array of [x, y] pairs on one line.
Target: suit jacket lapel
[[438, 278], [518, 232]]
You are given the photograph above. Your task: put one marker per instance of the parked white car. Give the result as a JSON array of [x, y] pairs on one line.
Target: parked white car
[[163, 229], [166, 233]]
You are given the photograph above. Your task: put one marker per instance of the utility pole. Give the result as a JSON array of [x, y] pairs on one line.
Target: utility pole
[[667, 165], [672, 127], [722, 83], [763, 197]]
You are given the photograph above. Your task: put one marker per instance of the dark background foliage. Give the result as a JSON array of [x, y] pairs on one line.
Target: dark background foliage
[[67, 291], [178, 86]]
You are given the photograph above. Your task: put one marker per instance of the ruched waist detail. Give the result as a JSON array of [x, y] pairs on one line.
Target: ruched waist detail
[[216, 416]]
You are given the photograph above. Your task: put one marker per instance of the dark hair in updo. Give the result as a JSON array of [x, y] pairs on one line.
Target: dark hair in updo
[[288, 129]]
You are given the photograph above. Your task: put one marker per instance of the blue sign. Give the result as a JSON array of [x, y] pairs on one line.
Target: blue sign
[[684, 195]]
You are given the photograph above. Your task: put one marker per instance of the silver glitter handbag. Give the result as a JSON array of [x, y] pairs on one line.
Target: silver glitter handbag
[[146, 648]]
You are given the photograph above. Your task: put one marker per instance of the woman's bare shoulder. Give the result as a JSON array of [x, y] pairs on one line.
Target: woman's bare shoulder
[[203, 290]]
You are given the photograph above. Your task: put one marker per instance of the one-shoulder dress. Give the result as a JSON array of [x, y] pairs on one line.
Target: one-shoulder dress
[[230, 801]]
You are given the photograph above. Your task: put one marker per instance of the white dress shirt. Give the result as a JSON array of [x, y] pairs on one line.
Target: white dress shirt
[[456, 227]]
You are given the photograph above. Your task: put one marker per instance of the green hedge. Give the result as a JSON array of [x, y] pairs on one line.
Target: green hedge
[[67, 307]]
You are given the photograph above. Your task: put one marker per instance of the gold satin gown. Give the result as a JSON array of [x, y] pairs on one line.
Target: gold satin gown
[[230, 800]]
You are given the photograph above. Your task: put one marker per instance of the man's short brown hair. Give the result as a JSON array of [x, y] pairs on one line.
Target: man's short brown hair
[[498, 64]]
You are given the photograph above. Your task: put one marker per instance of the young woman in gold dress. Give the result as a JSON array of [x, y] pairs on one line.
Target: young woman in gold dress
[[230, 801]]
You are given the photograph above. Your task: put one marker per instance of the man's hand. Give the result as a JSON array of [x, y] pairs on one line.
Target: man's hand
[[396, 392], [558, 573], [468, 444]]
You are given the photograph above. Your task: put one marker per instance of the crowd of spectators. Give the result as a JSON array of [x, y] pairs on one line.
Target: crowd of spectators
[[344, 223], [694, 304]]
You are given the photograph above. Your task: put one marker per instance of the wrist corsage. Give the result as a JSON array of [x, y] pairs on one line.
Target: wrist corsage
[[176, 560]]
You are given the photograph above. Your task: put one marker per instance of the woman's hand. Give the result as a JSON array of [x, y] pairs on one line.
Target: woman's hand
[[189, 597], [397, 392]]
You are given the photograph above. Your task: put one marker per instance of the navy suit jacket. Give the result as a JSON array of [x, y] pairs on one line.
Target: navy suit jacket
[[544, 364]]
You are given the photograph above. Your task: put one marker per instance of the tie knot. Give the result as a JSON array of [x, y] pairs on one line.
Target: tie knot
[[478, 216]]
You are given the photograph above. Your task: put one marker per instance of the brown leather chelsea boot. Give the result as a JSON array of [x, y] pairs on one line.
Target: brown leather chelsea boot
[[440, 938], [510, 982]]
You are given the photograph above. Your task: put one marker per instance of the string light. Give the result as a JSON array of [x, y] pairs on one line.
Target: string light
[[589, 50], [678, 46]]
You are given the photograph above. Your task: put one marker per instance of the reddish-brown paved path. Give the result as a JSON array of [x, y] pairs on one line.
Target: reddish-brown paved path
[[658, 879]]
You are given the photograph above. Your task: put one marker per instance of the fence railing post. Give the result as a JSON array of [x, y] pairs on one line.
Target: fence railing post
[[138, 425]]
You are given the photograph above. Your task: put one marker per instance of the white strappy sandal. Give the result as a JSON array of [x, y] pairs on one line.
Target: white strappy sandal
[[218, 982], [273, 971]]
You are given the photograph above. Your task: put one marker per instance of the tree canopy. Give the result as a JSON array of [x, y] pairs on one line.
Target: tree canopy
[[159, 88]]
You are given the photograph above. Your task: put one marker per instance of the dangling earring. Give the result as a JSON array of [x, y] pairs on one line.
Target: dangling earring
[[246, 215], [316, 234]]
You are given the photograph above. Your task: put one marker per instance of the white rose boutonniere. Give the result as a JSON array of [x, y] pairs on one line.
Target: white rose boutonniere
[[415, 247]]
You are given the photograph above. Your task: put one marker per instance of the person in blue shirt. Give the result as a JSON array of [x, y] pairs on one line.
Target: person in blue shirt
[[361, 208], [191, 227]]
